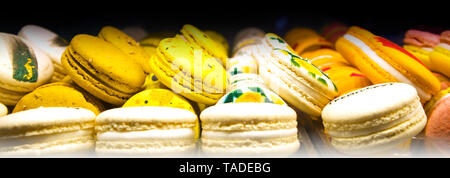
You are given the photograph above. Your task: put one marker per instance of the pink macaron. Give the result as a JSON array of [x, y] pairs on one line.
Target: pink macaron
[[438, 112], [445, 37], [421, 38]]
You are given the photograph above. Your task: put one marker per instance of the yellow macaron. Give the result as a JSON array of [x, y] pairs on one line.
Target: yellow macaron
[[127, 45], [102, 69], [440, 56], [199, 38], [162, 98], [188, 70], [58, 95]]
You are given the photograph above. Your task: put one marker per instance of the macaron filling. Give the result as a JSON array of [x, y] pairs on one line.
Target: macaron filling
[[71, 136], [384, 65], [147, 135]]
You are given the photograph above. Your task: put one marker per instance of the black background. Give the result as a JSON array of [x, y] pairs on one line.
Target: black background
[[68, 18]]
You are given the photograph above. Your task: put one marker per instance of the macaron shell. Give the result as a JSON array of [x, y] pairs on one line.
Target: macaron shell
[[55, 95], [408, 65], [49, 42], [91, 84], [195, 35], [158, 97], [421, 38], [126, 44], [24, 67], [45, 120], [439, 120], [127, 75]]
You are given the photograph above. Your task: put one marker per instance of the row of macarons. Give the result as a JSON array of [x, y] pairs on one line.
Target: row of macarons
[[291, 88]]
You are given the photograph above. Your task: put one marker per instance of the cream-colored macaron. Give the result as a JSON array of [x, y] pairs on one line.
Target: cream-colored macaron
[[52, 131], [23, 68], [146, 131], [249, 129], [374, 119], [49, 43]]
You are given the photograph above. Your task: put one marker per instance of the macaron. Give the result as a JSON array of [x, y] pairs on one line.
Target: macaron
[[249, 129], [49, 43], [58, 95], [24, 68], [438, 112], [189, 71], [146, 131], [48, 131], [127, 45], [440, 56], [295, 79], [344, 76], [199, 38], [420, 44], [305, 39], [333, 31], [247, 36], [369, 120], [3, 110], [383, 61], [216, 36], [102, 69], [163, 98]]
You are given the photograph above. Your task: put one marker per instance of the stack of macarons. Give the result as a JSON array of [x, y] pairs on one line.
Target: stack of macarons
[[152, 123], [247, 120], [48, 132], [383, 61], [440, 56], [369, 121], [420, 44]]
